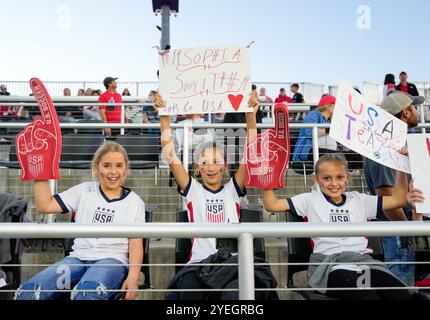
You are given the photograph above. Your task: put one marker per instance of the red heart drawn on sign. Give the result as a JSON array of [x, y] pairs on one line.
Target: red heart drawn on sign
[[235, 100], [428, 145]]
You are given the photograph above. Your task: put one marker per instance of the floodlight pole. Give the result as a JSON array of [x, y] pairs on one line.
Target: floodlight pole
[[165, 26]]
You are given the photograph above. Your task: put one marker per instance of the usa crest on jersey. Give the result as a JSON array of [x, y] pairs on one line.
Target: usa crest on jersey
[[215, 212]]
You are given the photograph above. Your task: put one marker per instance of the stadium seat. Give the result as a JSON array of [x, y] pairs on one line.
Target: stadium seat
[[143, 150], [89, 130], [78, 150]]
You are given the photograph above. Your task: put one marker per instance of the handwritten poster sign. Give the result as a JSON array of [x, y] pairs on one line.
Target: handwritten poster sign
[[205, 80], [368, 130], [419, 156]]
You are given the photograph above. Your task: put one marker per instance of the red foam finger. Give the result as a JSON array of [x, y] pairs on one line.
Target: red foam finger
[[39, 144], [44, 101], [281, 121], [268, 155]]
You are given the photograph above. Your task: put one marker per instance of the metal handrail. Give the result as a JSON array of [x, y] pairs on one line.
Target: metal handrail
[[180, 125], [203, 230]]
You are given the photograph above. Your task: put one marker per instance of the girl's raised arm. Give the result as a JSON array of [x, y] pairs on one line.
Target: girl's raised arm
[[43, 198], [181, 176], [272, 203], [251, 133]]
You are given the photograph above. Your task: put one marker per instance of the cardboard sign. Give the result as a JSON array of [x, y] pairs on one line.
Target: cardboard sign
[[268, 154], [419, 156], [205, 80], [368, 130], [38, 146]]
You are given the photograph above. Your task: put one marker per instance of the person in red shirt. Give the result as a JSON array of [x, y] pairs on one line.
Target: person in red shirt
[[110, 114], [283, 97], [405, 86]]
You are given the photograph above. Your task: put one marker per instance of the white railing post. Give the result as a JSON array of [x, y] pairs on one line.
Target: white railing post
[[315, 149], [122, 130], [423, 119], [53, 187], [185, 155], [246, 267]]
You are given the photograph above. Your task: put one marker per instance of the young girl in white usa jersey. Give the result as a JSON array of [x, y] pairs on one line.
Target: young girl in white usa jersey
[[208, 201], [98, 265], [331, 204]]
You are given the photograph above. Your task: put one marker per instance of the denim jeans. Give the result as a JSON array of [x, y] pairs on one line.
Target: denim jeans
[[393, 252], [62, 276]]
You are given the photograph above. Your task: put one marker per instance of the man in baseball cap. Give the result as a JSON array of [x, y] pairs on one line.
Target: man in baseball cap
[[403, 106], [326, 99], [381, 181], [110, 113], [108, 80]]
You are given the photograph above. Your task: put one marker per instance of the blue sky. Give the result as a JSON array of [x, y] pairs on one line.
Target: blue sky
[[303, 41]]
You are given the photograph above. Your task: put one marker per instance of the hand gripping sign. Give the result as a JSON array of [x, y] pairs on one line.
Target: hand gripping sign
[[38, 146], [268, 154]]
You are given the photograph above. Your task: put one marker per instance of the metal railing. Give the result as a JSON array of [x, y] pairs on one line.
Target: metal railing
[[311, 91], [243, 232]]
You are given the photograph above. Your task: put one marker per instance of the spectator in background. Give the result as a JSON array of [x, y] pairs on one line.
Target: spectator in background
[[283, 97], [88, 92], [389, 84], [67, 92], [263, 97], [297, 96], [23, 114], [91, 112], [381, 181], [405, 86], [149, 115], [217, 118], [65, 112], [3, 90], [303, 148], [112, 113], [7, 113], [81, 92], [126, 93]]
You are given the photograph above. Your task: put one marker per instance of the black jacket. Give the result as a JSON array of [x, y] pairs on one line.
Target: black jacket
[[412, 89], [12, 209], [218, 277]]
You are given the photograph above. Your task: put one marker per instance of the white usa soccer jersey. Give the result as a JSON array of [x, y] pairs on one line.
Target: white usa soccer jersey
[[91, 205], [354, 207], [209, 206]]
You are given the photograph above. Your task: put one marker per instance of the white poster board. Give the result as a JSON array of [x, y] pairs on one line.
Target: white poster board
[[419, 156], [368, 130], [205, 80]]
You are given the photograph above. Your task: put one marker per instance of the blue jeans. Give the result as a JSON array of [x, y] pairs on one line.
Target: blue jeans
[[62, 276], [393, 252]]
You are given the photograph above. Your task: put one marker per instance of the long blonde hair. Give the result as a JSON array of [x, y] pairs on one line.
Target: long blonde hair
[[108, 146]]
